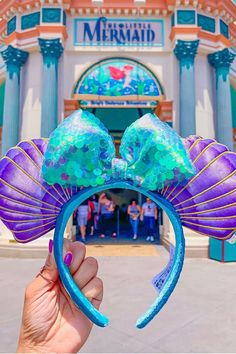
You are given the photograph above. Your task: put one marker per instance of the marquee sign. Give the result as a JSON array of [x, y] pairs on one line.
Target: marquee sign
[[118, 32]]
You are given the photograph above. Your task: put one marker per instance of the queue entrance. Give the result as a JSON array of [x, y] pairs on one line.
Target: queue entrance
[[120, 222]]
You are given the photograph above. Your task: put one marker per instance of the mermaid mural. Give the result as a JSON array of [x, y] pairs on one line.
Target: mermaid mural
[[192, 179], [118, 79]]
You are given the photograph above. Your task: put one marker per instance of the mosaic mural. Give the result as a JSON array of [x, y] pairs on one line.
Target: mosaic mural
[[117, 78]]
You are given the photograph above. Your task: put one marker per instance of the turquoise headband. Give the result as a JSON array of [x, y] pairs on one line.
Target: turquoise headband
[[80, 300], [81, 152]]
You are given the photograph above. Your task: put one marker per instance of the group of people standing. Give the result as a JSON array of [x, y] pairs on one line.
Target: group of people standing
[[97, 214], [148, 214]]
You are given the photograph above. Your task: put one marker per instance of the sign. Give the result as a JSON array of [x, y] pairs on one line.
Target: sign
[[127, 104], [118, 32]]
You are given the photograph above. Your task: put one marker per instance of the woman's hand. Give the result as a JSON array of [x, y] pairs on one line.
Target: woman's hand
[[51, 322]]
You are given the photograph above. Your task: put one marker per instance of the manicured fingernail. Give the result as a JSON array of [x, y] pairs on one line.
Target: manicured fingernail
[[50, 246], [68, 259]]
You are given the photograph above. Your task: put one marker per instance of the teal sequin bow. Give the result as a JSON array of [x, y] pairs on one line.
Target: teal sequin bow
[[80, 152]]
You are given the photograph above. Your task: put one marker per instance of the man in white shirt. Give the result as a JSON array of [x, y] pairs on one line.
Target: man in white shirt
[[149, 214]]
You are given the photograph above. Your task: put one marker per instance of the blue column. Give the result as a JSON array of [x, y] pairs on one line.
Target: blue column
[[185, 52], [221, 61], [14, 59], [51, 50]]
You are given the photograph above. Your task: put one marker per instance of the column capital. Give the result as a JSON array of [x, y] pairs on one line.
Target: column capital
[[185, 51], [14, 56], [50, 48], [221, 59]]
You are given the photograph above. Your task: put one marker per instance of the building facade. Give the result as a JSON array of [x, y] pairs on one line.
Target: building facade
[[119, 60]]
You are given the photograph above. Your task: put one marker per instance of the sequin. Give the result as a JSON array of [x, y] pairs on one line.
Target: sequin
[[80, 153]]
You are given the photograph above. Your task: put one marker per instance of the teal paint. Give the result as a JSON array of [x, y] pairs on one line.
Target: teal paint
[[116, 120], [207, 23], [233, 104], [221, 62], [185, 17], [185, 52], [224, 29], [173, 20], [51, 15], [2, 93], [222, 251], [11, 25], [14, 59], [215, 249], [30, 21], [230, 252], [51, 50], [64, 18]]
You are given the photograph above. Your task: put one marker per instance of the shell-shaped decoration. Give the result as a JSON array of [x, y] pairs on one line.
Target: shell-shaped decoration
[[207, 202], [29, 206]]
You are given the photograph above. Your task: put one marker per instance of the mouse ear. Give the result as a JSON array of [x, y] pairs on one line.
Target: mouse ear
[[207, 203], [28, 206]]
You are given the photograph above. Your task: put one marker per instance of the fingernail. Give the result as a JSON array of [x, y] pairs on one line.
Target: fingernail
[[68, 258], [50, 246]]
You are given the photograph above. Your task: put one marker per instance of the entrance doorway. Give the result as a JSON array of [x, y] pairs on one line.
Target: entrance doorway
[[116, 120], [119, 222], [118, 91]]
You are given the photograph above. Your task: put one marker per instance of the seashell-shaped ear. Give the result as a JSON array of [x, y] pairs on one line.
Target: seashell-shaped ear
[[207, 203], [29, 206]]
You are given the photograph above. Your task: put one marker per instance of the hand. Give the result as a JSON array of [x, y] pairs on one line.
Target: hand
[[51, 322]]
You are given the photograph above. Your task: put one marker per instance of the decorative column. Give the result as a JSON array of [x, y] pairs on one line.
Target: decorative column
[[185, 52], [51, 50], [221, 62], [14, 59]]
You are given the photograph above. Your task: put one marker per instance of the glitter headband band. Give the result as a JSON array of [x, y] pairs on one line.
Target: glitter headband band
[[40, 186]]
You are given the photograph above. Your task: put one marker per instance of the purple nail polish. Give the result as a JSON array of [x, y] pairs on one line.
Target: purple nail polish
[[68, 259], [50, 246]]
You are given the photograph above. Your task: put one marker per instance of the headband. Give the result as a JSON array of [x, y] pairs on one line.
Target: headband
[[192, 180]]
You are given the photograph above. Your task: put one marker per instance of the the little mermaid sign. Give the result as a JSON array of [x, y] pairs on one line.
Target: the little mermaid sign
[[119, 32]]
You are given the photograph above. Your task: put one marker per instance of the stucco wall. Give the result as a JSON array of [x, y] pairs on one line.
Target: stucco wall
[[204, 79], [31, 97]]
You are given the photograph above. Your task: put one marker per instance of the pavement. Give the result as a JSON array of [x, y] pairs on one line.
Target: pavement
[[200, 316]]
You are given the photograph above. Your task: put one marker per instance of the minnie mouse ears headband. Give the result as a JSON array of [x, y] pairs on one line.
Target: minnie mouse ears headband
[[193, 180]]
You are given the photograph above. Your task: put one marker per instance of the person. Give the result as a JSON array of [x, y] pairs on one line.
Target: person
[[74, 230], [51, 322], [134, 212], [149, 215], [82, 218], [93, 220], [106, 210], [90, 216]]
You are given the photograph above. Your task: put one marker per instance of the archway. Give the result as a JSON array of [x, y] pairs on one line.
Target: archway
[[112, 87], [118, 91]]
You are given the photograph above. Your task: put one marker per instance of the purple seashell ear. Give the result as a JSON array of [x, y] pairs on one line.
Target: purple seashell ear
[[28, 206], [207, 203]]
